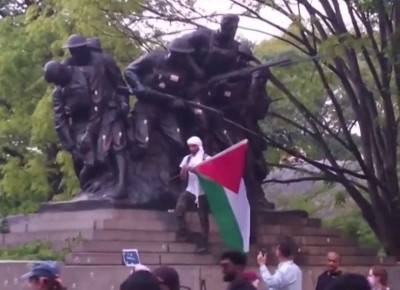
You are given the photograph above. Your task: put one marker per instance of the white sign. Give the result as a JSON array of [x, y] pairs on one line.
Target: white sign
[[130, 257]]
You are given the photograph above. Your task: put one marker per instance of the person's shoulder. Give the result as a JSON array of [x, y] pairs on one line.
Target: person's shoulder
[[153, 57], [295, 266], [241, 285], [289, 267], [248, 286], [323, 274], [184, 159]]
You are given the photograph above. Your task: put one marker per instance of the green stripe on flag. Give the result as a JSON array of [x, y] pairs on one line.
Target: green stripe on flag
[[223, 214]]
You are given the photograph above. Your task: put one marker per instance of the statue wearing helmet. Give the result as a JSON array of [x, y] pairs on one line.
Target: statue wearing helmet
[[95, 44], [73, 114], [171, 72], [104, 79], [224, 48]]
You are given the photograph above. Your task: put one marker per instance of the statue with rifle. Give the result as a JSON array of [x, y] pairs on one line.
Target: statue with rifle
[[153, 78], [239, 92], [179, 93], [87, 97]]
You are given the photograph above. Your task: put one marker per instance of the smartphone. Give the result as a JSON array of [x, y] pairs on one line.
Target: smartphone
[[264, 250]]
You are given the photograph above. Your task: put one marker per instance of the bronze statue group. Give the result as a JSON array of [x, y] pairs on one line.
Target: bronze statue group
[[126, 132]]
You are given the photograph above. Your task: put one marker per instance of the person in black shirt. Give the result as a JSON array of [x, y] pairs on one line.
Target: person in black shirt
[[327, 278], [233, 264], [350, 281]]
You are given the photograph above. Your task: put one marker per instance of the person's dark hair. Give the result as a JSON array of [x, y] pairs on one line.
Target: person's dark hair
[[237, 258], [350, 281], [140, 280], [285, 249], [168, 276], [51, 284], [382, 274]]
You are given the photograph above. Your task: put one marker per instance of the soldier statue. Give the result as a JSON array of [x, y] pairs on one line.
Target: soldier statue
[[94, 44], [160, 81], [73, 114], [223, 49], [175, 100], [111, 108]]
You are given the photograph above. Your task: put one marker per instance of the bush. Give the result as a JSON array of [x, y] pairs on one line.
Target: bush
[[354, 226], [38, 250]]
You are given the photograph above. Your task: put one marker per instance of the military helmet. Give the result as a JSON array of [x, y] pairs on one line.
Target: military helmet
[[53, 70], [180, 44], [94, 43], [75, 40]]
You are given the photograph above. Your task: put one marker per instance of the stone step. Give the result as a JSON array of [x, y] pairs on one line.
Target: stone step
[[84, 219], [142, 247], [321, 241], [342, 250], [123, 224], [136, 236], [169, 236], [53, 225], [307, 231], [309, 240], [51, 236], [82, 258], [169, 224], [319, 260]]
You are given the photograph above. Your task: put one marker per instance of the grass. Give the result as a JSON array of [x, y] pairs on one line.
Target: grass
[[38, 250]]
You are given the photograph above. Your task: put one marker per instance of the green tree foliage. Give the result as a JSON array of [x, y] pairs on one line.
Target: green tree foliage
[[301, 78], [33, 169]]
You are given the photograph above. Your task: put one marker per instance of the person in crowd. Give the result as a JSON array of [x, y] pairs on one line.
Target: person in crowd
[[378, 278], [288, 276], [233, 264], [253, 278], [332, 272], [140, 280], [140, 267], [350, 281], [193, 194], [44, 276], [168, 278]]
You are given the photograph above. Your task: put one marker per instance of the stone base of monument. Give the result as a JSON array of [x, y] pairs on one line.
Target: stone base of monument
[[95, 259]]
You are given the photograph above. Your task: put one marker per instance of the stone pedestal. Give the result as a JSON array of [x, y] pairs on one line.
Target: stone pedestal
[[102, 232]]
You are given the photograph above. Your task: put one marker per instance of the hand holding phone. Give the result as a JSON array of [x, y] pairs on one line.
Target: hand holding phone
[[262, 258]]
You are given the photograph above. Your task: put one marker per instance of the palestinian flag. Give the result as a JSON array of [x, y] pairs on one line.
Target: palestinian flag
[[221, 178]]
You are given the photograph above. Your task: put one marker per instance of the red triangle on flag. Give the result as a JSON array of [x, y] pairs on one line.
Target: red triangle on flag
[[227, 167]]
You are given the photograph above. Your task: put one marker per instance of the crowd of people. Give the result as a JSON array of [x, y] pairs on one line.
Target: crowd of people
[[287, 276]]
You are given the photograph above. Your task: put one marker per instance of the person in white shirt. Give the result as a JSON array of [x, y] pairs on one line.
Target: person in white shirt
[[288, 276], [193, 194]]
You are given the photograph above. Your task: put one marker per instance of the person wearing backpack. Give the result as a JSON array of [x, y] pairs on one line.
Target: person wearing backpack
[[193, 194]]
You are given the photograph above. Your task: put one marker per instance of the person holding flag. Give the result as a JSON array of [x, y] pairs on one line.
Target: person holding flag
[[221, 178], [193, 194]]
